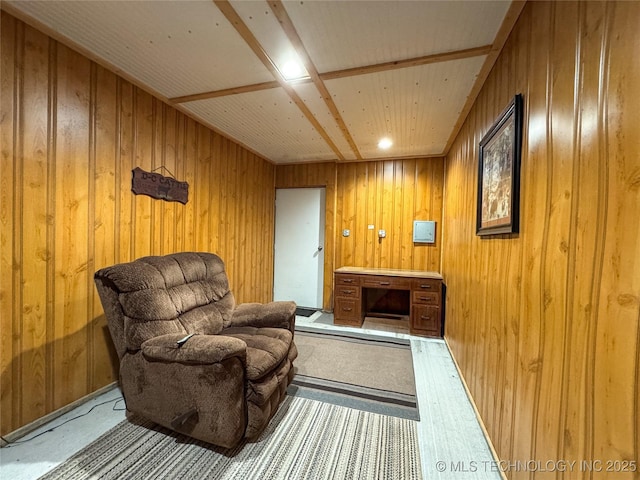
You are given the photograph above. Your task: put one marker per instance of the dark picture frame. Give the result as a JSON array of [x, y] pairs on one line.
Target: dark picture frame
[[498, 207]]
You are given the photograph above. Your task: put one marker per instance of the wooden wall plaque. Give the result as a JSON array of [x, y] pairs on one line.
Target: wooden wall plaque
[[158, 186]]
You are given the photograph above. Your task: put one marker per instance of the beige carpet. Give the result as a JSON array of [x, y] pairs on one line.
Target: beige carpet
[[380, 364]]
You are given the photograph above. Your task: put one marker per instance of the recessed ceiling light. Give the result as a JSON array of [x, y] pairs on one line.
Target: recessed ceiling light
[[293, 70], [385, 143]]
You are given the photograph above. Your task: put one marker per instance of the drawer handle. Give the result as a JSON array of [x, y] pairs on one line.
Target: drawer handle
[[347, 292], [347, 280], [346, 309], [385, 283], [425, 285], [424, 298], [425, 318]]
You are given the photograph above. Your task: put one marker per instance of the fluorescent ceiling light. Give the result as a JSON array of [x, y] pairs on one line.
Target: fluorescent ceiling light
[[385, 143]]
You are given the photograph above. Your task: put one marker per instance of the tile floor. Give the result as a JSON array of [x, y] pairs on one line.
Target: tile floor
[[452, 444]]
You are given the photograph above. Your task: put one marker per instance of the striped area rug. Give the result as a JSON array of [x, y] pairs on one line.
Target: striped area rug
[[305, 440]]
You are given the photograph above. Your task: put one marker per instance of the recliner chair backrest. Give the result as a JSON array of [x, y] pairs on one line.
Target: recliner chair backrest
[[179, 293]]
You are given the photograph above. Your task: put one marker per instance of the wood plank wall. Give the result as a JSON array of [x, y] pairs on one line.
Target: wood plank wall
[[71, 133], [545, 325], [388, 195]]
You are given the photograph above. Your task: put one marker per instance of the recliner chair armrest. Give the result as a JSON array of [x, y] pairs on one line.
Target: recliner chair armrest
[[273, 314], [196, 350]]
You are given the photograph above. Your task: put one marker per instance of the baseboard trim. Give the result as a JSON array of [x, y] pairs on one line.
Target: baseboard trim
[[30, 427], [494, 453]]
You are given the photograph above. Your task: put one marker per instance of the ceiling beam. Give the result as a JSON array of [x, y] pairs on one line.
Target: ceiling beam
[[409, 62], [289, 29], [226, 92], [380, 67], [236, 21]]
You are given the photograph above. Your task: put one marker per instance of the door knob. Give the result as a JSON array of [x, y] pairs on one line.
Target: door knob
[[319, 249]]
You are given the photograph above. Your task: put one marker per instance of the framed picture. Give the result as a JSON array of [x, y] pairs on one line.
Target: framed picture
[[499, 174]]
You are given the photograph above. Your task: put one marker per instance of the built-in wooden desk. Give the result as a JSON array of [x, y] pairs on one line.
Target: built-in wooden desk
[[424, 296]]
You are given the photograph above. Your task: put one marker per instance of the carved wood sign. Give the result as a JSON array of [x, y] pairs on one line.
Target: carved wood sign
[[159, 186]]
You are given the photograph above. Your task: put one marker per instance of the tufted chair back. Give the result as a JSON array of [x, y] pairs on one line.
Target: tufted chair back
[[182, 293]]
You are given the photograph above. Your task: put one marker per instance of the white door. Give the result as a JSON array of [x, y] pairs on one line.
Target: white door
[[299, 246]]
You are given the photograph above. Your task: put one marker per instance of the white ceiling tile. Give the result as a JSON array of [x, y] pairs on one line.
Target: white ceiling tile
[[347, 34], [185, 47], [268, 121], [312, 98], [416, 107], [174, 47], [265, 27]]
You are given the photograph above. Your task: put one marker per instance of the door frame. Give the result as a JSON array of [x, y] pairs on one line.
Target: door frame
[[323, 239]]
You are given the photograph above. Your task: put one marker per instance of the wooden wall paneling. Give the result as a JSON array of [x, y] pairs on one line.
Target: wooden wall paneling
[[72, 229], [347, 194], [618, 314], [552, 355], [361, 230], [199, 197], [71, 134], [253, 216], [407, 214], [105, 123], [388, 195], [389, 209], [386, 211], [155, 153], [125, 163], [583, 243], [370, 217], [10, 93], [266, 215], [168, 221], [144, 151], [510, 319], [332, 231], [225, 201], [182, 218], [231, 212], [242, 174], [558, 152], [613, 343], [33, 284], [427, 192], [410, 184], [534, 214], [190, 160]]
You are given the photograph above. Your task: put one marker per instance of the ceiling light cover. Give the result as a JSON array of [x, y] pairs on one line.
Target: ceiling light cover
[[385, 143], [293, 70]]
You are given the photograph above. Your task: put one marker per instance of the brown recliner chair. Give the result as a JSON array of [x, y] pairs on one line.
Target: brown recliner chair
[[190, 359]]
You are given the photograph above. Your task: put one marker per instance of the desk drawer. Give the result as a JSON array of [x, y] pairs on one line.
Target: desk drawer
[[347, 311], [347, 291], [426, 285], [344, 279], [386, 282], [426, 319], [426, 298]]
